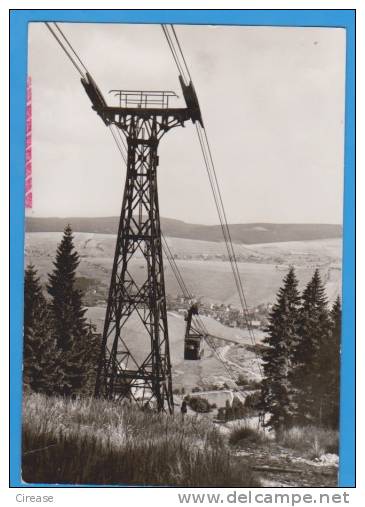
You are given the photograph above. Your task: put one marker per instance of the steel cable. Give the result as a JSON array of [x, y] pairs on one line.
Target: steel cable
[[122, 148], [198, 320], [71, 47], [210, 167], [174, 54], [81, 72]]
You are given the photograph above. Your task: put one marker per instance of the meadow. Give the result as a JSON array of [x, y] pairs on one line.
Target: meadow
[[89, 441], [261, 266]]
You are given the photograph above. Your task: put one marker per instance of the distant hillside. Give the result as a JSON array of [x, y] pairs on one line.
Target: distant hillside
[[240, 233]]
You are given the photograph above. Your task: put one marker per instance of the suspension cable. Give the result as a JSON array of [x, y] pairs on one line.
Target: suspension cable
[[80, 71], [181, 52], [226, 232], [184, 71], [197, 318], [217, 196], [119, 141], [174, 53], [180, 280], [119, 146], [123, 143], [71, 47]]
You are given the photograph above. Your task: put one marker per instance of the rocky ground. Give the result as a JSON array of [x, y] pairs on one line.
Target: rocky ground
[[286, 468]]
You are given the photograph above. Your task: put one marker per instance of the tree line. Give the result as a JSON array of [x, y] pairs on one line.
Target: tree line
[[301, 358], [61, 348]]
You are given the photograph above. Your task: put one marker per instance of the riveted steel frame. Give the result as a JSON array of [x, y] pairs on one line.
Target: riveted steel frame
[[121, 374]]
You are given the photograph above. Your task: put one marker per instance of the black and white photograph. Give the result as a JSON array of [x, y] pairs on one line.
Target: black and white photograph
[[183, 255]]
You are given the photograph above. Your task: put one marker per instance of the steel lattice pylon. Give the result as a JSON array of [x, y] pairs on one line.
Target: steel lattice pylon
[[124, 371]]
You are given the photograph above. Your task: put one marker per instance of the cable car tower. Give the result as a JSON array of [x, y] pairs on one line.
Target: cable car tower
[[143, 117]]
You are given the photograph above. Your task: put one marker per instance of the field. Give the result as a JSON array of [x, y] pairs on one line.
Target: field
[[209, 277], [206, 273], [90, 441], [100, 442]]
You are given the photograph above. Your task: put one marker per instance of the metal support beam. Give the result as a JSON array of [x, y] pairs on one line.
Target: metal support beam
[[135, 360], [129, 368]]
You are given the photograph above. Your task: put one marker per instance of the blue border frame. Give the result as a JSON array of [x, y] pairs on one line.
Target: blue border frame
[[19, 20]]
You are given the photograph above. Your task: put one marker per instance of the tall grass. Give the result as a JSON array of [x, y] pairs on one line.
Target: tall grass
[[90, 441], [311, 440], [242, 434]]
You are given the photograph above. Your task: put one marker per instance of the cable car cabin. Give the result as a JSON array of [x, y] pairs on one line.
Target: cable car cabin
[[193, 344], [193, 349]]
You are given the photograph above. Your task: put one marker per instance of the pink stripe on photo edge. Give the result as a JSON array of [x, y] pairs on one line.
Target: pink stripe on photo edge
[[28, 147], [28, 170], [29, 200], [28, 185]]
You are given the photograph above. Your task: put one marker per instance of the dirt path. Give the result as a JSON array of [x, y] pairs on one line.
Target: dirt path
[[299, 472]]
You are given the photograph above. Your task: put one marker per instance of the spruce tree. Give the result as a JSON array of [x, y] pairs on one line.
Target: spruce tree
[[40, 372], [91, 355], [68, 318], [330, 356], [282, 336], [68, 312], [308, 376]]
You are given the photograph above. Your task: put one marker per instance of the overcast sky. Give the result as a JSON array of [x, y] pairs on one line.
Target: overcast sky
[[272, 101]]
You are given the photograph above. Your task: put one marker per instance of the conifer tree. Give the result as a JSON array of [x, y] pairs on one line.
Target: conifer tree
[[308, 375], [91, 354], [66, 304], [330, 358], [70, 327], [281, 339], [40, 372]]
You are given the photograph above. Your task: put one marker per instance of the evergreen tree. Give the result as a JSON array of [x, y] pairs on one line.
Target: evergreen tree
[[280, 342], [330, 355], [308, 375], [68, 312], [91, 355], [70, 327], [40, 372]]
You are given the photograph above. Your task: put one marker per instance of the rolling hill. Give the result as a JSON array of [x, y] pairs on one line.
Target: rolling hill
[[241, 233], [205, 270]]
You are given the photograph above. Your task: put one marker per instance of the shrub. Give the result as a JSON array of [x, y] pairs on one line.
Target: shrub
[[236, 410], [199, 404], [252, 400], [221, 414], [243, 434], [247, 383], [242, 380]]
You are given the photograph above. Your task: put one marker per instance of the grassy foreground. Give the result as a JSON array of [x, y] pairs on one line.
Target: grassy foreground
[[311, 442], [88, 441]]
